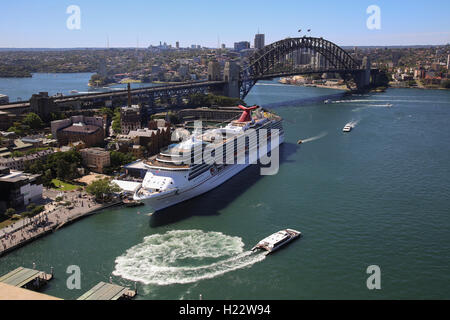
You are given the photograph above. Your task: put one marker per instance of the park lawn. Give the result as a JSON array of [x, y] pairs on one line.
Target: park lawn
[[63, 186], [6, 223]]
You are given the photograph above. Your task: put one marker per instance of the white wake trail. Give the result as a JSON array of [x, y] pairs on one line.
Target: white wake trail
[[184, 256], [320, 136], [354, 123]]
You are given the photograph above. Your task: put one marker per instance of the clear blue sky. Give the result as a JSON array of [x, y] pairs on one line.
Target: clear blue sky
[[37, 24]]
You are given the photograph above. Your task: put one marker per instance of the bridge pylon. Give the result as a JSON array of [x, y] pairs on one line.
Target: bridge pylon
[[231, 77], [362, 77]]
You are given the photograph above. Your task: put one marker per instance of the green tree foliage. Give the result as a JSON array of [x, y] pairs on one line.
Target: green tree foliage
[[116, 121], [33, 121], [8, 213], [60, 165], [173, 118], [108, 111], [119, 158], [30, 124], [47, 178], [103, 189], [202, 100], [33, 209], [382, 79], [20, 129], [14, 71], [97, 80]]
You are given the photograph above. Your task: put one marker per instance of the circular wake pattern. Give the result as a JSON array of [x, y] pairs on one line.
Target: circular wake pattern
[[183, 256]]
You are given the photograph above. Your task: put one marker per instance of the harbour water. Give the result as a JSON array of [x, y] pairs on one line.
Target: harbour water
[[376, 196], [21, 89]]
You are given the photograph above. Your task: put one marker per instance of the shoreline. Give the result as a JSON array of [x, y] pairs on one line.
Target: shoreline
[[46, 223], [348, 90]]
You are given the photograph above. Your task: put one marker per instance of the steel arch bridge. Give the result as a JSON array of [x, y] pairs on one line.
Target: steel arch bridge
[[278, 60]]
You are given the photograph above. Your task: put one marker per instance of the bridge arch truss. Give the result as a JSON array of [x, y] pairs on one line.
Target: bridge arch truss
[[276, 60]]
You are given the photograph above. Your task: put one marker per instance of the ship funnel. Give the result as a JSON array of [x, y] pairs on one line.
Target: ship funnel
[[246, 115]]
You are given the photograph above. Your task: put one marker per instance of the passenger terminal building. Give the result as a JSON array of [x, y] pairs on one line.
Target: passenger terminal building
[[18, 189]]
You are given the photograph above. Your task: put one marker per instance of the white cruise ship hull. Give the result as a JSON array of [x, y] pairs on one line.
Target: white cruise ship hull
[[206, 183]]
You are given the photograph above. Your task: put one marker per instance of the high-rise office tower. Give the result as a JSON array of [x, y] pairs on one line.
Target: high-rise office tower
[[259, 41]]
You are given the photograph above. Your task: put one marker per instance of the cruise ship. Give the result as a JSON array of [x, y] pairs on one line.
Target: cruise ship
[[181, 172]]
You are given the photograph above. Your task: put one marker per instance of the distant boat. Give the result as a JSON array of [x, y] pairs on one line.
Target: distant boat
[[347, 128], [73, 91], [327, 101]]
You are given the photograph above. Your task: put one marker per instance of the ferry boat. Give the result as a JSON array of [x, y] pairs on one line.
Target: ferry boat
[[347, 128], [277, 240], [180, 173]]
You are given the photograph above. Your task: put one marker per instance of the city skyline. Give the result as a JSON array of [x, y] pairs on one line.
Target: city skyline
[[43, 25]]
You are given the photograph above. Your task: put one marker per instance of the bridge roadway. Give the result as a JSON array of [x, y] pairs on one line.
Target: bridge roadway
[[298, 72], [119, 93]]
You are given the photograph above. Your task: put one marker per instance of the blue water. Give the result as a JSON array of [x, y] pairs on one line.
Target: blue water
[[376, 196], [23, 88]]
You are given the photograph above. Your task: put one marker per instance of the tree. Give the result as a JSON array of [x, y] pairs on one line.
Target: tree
[[173, 118], [33, 210], [10, 212], [108, 111], [33, 121], [19, 129], [116, 122], [119, 159], [102, 189], [63, 165], [47, 178], [61, 169]]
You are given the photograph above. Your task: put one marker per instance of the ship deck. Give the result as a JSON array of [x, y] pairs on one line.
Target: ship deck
[[152, 162]]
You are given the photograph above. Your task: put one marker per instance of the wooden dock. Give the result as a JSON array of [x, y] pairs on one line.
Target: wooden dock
[[108, 291], [26, 278]]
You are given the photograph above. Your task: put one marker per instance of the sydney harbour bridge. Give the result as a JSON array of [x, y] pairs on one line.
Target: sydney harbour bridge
[[279, 59]]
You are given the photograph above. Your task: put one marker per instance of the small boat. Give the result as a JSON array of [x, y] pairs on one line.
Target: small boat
[[347, 128], [132, 203], [327, 101], [73, 91], [300, 141], [277, 240]]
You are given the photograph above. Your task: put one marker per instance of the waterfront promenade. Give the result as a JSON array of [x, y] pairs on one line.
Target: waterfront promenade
[[51, 219]]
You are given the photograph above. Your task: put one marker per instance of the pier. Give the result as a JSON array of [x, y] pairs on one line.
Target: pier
[[108, 291], [26, 278]]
